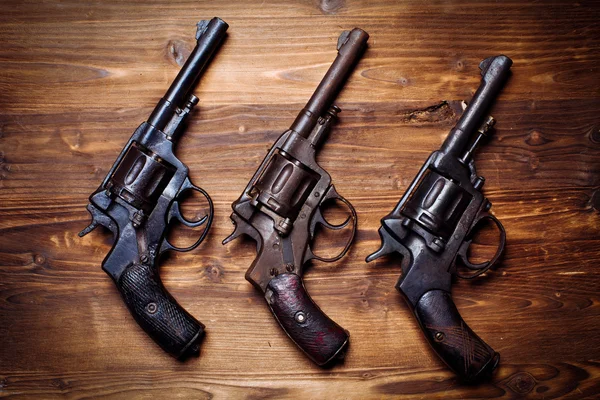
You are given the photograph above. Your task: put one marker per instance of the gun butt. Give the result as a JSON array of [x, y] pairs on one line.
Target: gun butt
[[494, 71], [350, 48], [209, 36]]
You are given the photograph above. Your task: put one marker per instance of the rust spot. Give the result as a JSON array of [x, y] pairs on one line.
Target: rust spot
[[178, 52], [214, 273], [536, 138], [521, 383], [330, 6]]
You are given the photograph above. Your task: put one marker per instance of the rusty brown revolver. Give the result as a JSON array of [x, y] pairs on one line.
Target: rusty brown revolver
[[281, 208]]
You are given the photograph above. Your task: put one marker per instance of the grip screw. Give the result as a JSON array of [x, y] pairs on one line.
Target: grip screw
[[289, 267], [144, 258], [151, 308], [300, 317], [439, 336]]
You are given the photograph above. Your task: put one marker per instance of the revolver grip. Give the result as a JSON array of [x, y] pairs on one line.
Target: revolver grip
[[452, 339], [315, 333], [158, 313]]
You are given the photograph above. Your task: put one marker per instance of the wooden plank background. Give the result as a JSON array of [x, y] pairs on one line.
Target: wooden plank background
[[77, 77]]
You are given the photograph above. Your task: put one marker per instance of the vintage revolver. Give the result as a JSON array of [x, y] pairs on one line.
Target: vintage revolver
[[433, 226], [139, 199], [281, 208]]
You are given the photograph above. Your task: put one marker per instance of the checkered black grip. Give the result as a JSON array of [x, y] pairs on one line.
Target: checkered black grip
[[157, 312]]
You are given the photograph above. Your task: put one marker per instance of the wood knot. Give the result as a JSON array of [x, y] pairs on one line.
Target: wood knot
[[330, 6], [521, 383], [39, 259], [595, 200], [435, 113], [542, 389], [4, 166], [178, 52], [214, 273], [403, 81], [595, 134], [535, 138], [60, 384], [459, 65], [534, 163]]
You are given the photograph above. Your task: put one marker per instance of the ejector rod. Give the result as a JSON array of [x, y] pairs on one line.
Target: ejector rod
[[350, 47], [494, 72]]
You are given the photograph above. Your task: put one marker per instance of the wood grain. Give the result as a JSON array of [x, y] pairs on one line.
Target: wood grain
[[77, 77]]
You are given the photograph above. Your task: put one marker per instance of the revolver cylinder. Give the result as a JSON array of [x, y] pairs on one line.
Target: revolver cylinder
[[437, 204], [140, 178], [285, 185]]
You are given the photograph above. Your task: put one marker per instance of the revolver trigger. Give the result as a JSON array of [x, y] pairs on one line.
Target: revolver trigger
[[464, 247], [93, 225], [98, 218], [388, 246], [175, 212], [332, 194], [318, 218], [237, 232], [243, 228]]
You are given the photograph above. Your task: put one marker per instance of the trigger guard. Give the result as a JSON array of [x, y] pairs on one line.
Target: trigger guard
[[462, 253], [484, 266], [175, 212], [332, 194]]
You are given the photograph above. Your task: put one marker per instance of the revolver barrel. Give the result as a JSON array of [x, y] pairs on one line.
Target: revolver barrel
[[494, 72], [350, 47], [209, 36]]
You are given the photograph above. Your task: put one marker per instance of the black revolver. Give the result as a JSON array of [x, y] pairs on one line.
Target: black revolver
[[281, 208], [433, 226], [139, 199]]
